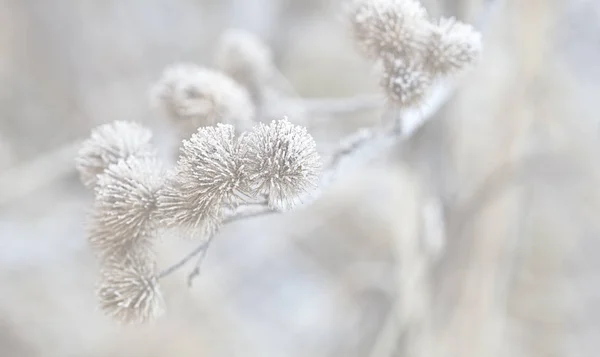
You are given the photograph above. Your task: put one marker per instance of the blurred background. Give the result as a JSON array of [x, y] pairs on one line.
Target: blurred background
[[512, 157]]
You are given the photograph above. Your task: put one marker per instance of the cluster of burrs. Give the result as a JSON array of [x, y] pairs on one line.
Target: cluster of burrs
[[217, 170], [229, 157], [413, 50]]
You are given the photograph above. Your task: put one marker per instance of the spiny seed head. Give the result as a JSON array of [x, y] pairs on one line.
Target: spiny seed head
[[387, 29], [124, 217], [195, 96], [452, 47], [245, 58], [129, 291], [110, 143], [107, 245], [282, 162], [406, 84], [413, 51], [209, 174]]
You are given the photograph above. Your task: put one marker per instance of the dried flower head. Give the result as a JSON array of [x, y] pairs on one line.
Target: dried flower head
[[388, 29], [406, 84], [413, 51], [110, 143], [129, 290], [452, 47], [125, 207], [245, 58], [282, 162], [209, 174], [195, 96]]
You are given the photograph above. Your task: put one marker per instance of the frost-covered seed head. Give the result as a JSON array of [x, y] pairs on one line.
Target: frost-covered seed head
[[125, 207], [406, 84], [413, 51], [107, 245], [452, 47], [195, 96], [388, 29], [129, 291], [110, 143], [209, 174], [282, 162], [245, 58]]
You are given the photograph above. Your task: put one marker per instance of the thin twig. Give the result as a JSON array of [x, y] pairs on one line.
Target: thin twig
[[249, 211], [241, 213], [196, 271], [199, 249]]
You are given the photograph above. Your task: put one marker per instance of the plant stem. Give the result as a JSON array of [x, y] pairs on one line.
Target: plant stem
[[196, 271], [199, 249], [242, 212]]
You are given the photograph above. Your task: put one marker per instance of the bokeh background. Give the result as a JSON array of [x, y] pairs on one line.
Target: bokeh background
[[512, 157]]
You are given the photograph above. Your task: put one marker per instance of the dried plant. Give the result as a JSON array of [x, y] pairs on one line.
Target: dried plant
[[282, 162], [195, 96], [110, 143], [412, 51], [217, 172], [125, 207], [209, 174], [129, 291], [227, 171], [452, 46], [386, 29], [406, 83]]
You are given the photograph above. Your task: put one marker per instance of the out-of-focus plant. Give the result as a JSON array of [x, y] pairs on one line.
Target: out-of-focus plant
[[233, 163]]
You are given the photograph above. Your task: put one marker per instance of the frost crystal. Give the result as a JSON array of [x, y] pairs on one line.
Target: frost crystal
[[129, 290], [245, 58], [406, 84], [282, 162], [195, 96], [110, 143], [387, 29], [209, 174], [125, 207], [453, 46]]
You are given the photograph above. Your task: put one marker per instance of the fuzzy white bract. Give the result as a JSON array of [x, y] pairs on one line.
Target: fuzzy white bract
[[110, 143], [282, 162]]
